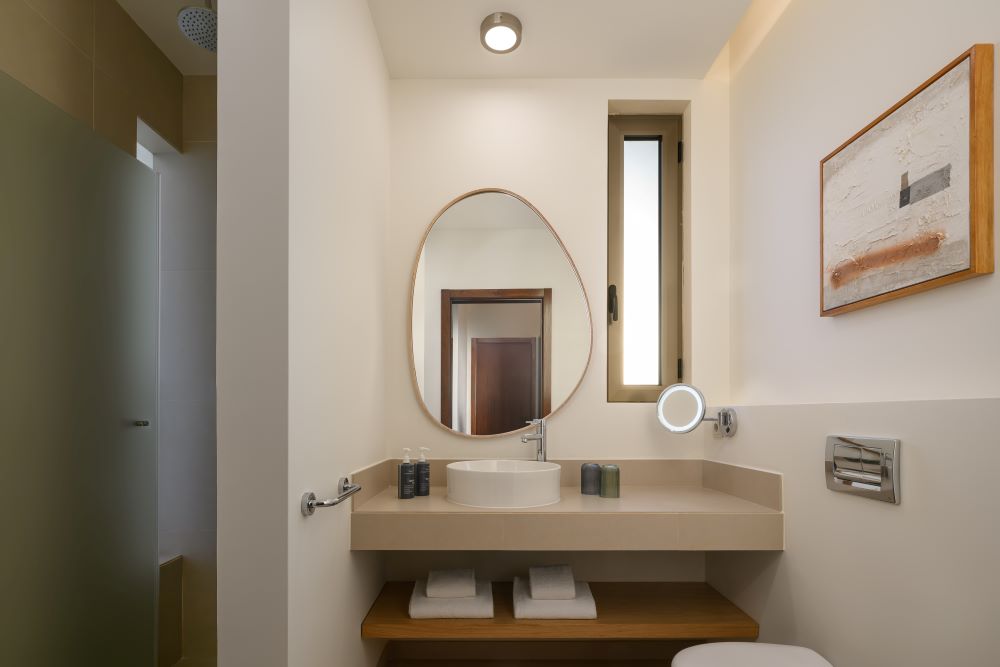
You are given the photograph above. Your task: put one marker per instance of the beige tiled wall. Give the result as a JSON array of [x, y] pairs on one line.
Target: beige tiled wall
[[200, 108], [89, 58], [169, 633]]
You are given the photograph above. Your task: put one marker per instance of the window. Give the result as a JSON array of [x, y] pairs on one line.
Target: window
[[144, 155], [644, 257]]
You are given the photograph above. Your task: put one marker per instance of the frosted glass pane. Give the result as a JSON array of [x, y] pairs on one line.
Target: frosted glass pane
[[640, 293], [78, 323]]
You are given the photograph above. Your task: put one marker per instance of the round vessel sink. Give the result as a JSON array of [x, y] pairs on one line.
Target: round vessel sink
[[498, 484]]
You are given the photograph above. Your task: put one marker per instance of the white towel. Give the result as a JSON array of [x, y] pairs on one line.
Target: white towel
[[480, 606], [551, 582], [583, 606], [451, 584]]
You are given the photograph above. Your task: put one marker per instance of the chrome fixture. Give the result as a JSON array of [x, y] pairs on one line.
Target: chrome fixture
[[538, 436], [200, 25], [344, 491], [500, 32], [867, 467], [681, 407]]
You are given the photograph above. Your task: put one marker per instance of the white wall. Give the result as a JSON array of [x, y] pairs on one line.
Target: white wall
[[186, 441], [547, 141], [865, 583], [303, 174], [252, 333], [800, 95], [338, 172]]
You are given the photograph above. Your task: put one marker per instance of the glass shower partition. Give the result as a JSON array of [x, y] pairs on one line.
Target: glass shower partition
[[78, 346]]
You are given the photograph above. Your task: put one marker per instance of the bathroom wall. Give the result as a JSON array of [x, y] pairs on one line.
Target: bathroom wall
[[303, 183], [339, 180], [826, 70], [186, 448], [252, 333], [90, 59], [547, 140], [864, 583]]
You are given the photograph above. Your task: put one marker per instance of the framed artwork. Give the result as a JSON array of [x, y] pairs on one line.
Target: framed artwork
[[906, 204]]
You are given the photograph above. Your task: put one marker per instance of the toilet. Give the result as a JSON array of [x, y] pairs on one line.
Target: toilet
[[746, 654]]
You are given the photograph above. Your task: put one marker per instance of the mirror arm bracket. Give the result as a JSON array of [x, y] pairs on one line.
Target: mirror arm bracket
[[724, 422]]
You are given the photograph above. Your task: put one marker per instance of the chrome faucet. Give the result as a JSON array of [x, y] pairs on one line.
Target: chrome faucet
[[538, 436]]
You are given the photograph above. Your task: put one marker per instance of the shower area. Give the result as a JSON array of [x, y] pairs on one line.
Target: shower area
[[107, 340]]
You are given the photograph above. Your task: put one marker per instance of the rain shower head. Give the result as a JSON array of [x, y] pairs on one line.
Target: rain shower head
[[200, 25]]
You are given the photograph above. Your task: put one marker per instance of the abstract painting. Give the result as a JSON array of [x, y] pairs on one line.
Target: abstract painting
[[907, 203]]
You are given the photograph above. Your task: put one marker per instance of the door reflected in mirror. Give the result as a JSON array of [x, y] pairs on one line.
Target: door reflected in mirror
[[500, 330]]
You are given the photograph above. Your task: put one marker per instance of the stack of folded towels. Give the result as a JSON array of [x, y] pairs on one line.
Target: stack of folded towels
[[552, 592], [452, 594]]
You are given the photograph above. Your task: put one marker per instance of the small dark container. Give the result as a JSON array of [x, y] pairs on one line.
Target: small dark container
[[590, 479], [610, 481], [406, 480]]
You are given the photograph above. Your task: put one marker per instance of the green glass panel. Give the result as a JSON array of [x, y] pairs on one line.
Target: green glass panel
[[78, 341]]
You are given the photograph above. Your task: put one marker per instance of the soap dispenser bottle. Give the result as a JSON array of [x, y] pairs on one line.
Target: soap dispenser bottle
[[423, 473], [405, 476]]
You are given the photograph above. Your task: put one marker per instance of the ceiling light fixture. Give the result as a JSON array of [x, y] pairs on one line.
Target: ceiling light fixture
[[500, 32]]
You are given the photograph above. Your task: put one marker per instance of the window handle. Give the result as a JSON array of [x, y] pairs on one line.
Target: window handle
[[613, 302]]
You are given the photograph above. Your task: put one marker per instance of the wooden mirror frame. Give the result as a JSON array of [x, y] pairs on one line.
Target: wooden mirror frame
[[413, 284]]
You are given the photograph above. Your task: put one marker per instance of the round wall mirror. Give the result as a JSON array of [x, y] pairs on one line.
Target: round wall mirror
[[500, 323], [680, 408]]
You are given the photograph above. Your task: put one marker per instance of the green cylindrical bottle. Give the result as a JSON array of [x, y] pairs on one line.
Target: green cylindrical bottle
[[610, 480]]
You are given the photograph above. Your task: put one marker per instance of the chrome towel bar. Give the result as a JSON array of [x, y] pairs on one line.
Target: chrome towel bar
[[344, 491]]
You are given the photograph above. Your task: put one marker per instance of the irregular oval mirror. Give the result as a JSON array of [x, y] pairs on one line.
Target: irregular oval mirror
[[500, 330], [680, 408]]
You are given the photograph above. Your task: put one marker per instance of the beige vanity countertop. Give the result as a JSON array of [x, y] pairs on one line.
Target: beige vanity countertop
[[634, 499], [742, 512]]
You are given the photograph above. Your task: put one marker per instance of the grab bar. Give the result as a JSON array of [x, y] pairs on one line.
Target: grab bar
[[344, 491]]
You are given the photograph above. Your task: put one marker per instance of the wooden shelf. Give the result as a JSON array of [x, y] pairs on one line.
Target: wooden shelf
[[633, 611]]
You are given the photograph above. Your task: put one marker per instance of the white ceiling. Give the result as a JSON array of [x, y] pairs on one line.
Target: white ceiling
[[561, 38], [158, 19]]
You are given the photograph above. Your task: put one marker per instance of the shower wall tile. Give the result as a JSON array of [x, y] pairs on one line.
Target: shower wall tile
[[90, 59], [124, 52], [114, 112], [187, 465], [188, 241], [200, 109], [199, 588], [43, 59], [187, 335], [74, 19], [187, 442]]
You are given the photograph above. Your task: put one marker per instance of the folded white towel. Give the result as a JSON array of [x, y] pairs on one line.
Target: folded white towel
[[480, 606], [552, 582], [451, 584], [583, 606]]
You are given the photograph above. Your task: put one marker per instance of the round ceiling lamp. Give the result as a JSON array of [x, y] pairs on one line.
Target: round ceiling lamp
[[500, 32]]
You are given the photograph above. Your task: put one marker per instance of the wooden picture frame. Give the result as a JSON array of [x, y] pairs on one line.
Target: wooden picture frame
[[923, 247]]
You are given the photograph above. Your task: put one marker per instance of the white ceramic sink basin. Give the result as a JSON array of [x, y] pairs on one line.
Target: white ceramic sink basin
[[497, 484]]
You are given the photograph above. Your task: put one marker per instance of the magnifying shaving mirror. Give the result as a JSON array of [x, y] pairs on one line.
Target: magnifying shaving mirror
[[681, 408]]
